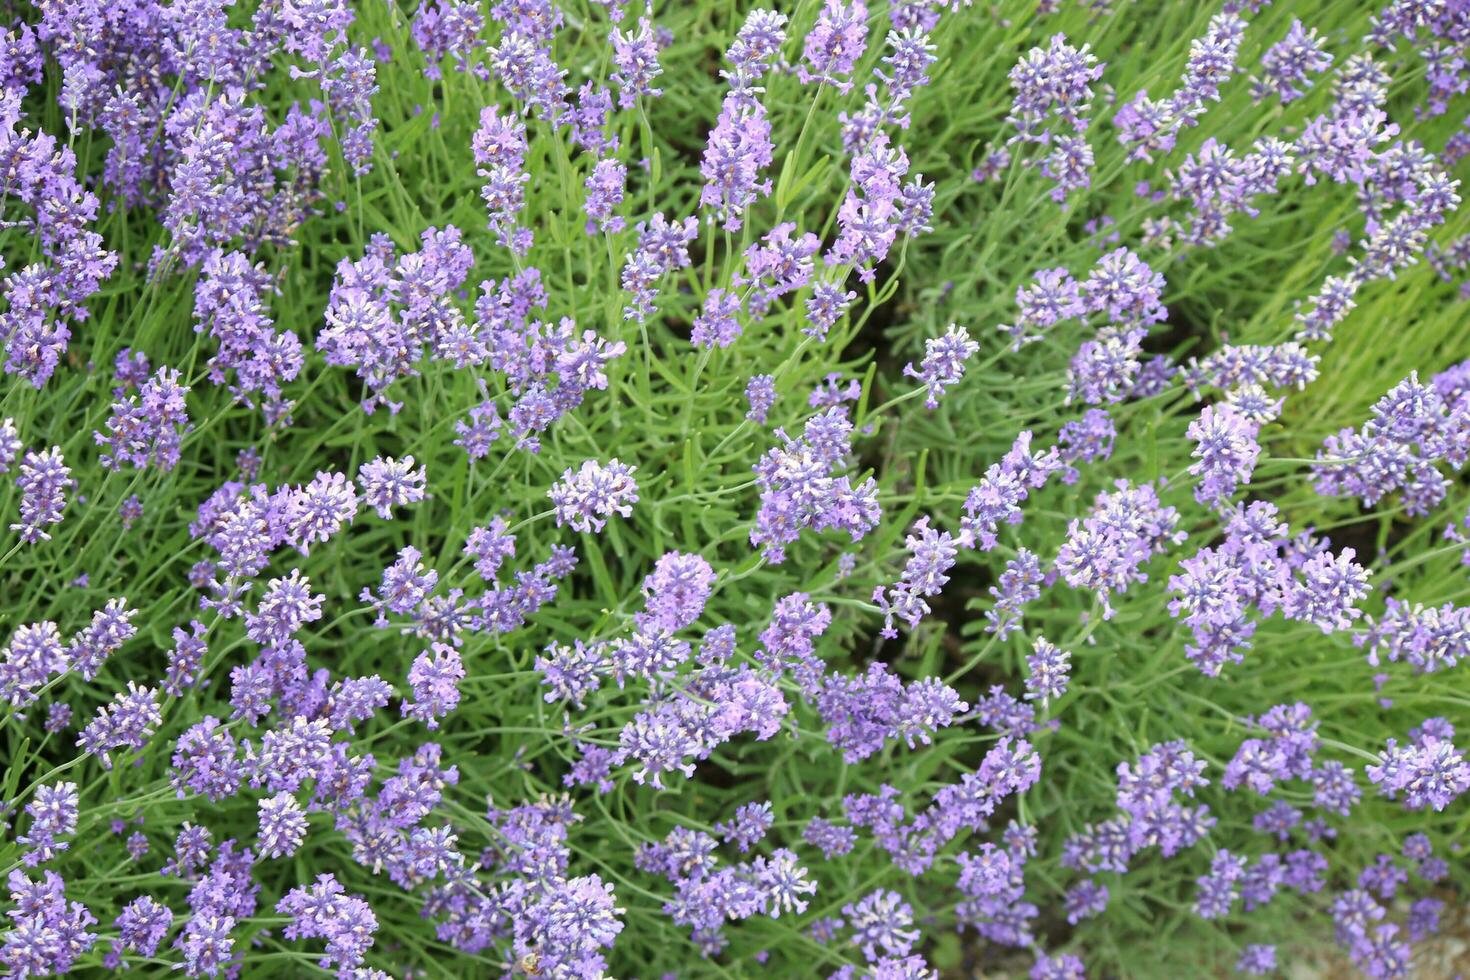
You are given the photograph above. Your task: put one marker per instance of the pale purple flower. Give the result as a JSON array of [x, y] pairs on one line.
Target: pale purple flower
[[635, 63], [282, 825], [834, 44], [387, 483], [1226, 448], [434, 680], [943, 365], [43, 481], [1047, 669], [585, 498], [1286, 65]]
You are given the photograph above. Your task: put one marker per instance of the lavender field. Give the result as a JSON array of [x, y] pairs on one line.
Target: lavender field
[[833, 489]]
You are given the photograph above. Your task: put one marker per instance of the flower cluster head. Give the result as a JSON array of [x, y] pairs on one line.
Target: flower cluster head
[[635, 58], [1412, 430], [1226, 450], [996, 500], [1149, 126], [584, 499], [864, 712], [1286, 65], [499, 147], [1105, 551], [739, 146], [1430, 638], [944, 363], [387, 310], [1052, 297], [802, 486], [834, 45], [49, 934], [53, 812], [1428, 772], [677, 590], [1053, 93], [388, 483], [1048, 668], [147, 429], [324, 910], [43, 481], [1052, 83], [125, 723]]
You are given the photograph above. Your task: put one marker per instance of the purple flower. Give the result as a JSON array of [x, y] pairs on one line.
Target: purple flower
[[282, 825], [325, 911], [944, 363], [830, 839], [748, 827], [49, 934], [1327, 592], [1257, 960], [1050, 83], [802, 487], [10, 444], [1062, 966], [205, 761], [34, 654], [1017, 586], [125, 723], [287, 605], [1430, 772], [1047, 669], [635, 63], [1053, 297], [880, 921], [996, 500], [1217, 890], [499, 147], [1288, 62], [663, 247], [739, 148], [760, 392], [317, 511], [434, 679], [1085, 899], [677, 590], [387, 483], [489, 547], [43, 481], [1104, 552], [110, 628], [447, 28], [1227, 451], [605, 186], [864, 712], [53, 813], [718, 324], [782, 882], [826, 305], [932, 554], [1423, 918], [142, 925], [583, 499], [834, 44]]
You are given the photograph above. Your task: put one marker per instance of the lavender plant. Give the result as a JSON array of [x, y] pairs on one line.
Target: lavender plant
[[841, 489]]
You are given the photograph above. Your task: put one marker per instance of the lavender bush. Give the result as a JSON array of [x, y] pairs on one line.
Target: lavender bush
[[854, 490]]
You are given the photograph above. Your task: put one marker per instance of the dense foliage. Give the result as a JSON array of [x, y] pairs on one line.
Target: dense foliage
[[858, 490]]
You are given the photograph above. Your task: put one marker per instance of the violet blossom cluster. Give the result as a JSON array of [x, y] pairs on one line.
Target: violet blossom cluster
[[1412, 430], [1053, 94]]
